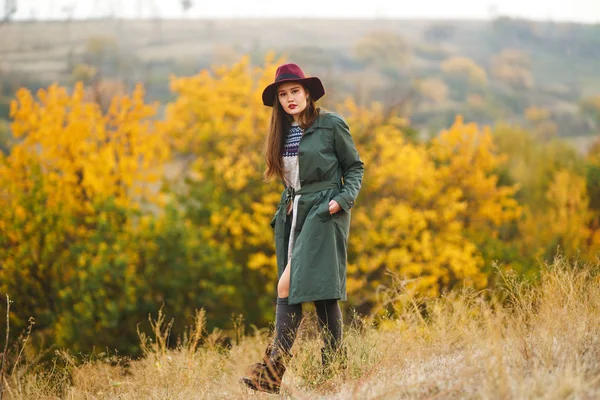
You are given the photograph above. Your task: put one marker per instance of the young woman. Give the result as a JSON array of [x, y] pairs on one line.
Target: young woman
[[312, 152]]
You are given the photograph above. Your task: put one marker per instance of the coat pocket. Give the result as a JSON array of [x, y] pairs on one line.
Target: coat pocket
[[323, 210], [301, 213]]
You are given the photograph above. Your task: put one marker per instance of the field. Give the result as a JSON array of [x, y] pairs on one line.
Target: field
[[35, 54], [42, 47], [535, 340], [90, 272]]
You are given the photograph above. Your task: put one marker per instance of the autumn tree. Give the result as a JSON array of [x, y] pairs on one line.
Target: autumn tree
[[433, 89], [218, 123], [533, 163], [513, 67], [383, 49], [465, 68], [540, 121], [417, 205], [386, 58], [72, 176], [592, 175], [590, 108], [556, 190], [563, 226], [82, 250], [463, 76], [469, 159], [6, 139], [593, 154]]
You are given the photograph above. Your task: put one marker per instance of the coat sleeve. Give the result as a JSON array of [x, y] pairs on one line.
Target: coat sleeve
[[349, 159]]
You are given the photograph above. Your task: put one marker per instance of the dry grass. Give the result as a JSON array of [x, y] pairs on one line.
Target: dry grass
[[543, 342]]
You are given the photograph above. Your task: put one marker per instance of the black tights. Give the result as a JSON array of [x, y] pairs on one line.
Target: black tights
[[288, 317]]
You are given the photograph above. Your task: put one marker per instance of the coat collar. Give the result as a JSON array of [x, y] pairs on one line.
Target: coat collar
[[319, 123]]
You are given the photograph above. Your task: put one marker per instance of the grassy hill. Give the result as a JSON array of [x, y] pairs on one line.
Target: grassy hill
[[537, 341], [525, 63]]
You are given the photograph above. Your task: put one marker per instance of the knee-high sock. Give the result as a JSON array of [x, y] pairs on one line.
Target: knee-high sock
[[287, 321], [330, 321]]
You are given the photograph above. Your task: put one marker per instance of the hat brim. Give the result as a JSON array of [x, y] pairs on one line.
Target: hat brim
[[313, 84]]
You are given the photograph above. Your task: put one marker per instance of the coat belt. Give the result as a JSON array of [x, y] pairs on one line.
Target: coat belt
[[317, 187], [309, 188]]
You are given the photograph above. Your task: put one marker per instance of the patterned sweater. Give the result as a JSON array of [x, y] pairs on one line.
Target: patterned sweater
[[290, 156]]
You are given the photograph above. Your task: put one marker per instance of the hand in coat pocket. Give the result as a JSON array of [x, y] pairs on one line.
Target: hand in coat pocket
[[325, 210], [334, 207]]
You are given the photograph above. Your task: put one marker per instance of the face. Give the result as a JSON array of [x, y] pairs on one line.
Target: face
[[292, 98]]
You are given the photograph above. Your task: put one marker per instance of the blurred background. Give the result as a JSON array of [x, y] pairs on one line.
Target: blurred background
[[132, 131], [483, 60]]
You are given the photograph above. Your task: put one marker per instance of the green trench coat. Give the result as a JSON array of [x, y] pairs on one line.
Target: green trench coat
[[330, 168]]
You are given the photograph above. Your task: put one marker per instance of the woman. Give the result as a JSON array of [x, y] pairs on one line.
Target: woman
[[313, 153]]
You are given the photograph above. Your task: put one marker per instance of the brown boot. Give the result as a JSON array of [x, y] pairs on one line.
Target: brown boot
[[266, 376]]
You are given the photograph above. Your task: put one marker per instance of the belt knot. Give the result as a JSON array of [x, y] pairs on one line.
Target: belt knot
[[290, 192]]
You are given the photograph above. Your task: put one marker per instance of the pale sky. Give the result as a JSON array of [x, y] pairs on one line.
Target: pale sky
[[557, 10]]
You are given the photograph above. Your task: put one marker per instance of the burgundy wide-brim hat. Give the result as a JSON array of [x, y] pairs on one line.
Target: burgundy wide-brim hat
[[292, 73]]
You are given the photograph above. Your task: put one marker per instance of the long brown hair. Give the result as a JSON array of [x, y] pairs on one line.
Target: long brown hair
[[278, 130]]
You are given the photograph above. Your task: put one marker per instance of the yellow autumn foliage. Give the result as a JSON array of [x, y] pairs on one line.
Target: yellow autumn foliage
[[70, 190], [83, 153], [565, 225], [418, 203], [218, 120], [415, 211], [75, 189], [468, 159], [465, 67]]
